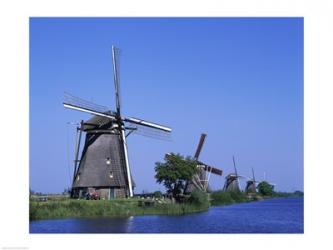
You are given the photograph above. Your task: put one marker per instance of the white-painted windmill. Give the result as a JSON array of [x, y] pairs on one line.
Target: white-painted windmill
[[104, 166]]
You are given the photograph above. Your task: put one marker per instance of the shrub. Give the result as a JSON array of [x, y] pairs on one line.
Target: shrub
[[198, 198], [158, 194], [238, 196], [33, 210], [265, 188], [221, 198]]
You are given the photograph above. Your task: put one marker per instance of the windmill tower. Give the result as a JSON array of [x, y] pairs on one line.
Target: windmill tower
[[104, 167], [200, 180], [232, 180], [251, 184]]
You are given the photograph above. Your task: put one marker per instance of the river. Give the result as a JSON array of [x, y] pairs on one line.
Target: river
[[281, 215]]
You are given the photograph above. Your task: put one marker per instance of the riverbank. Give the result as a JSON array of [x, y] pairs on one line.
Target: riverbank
[[220, 198], [278, 215], [57, 208], [69, 208]]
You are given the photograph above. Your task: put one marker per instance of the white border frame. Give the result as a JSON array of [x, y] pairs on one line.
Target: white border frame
[[14, 51]]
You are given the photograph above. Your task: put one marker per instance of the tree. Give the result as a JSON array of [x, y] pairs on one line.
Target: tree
[[175, 172], [265, 188], [158, 194]]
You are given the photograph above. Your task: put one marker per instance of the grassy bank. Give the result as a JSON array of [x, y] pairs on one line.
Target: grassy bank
[[225, 198], [220, 198], [288, 194], [69, 208], [62, 207]]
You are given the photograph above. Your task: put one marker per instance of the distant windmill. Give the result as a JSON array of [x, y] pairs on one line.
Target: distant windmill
[[232, 180], [104, 167], [251, 184], [200, 180]]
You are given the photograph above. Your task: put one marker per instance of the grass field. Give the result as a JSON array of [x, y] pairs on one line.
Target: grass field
[[69, 208], [220, 198], [64, 207]]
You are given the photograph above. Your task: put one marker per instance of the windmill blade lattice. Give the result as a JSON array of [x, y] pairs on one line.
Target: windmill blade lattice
[[81, 103], [150, 132]]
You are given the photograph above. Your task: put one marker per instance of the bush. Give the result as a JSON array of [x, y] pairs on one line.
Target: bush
[[158, 194], [33, 209], [265, 188], [226, 198], [221, 198], [238, 196], [198, 198]]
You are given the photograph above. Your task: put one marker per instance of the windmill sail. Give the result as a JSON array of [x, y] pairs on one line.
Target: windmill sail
[[149, 132], [211, 169], [141, 122], [201, 142], [116, 76], [79, 102], [82, 105]]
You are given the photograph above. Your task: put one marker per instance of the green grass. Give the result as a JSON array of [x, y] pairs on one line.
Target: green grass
[[287, 194], [62, 207], [68, 208], [226, 198], [220, 198]]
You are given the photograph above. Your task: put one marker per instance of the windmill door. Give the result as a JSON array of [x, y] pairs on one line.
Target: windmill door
[[112, 194]]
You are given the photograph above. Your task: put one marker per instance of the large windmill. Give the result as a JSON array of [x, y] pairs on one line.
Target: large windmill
[[251, 184], [104, 166], [200, 180], [232, 180]]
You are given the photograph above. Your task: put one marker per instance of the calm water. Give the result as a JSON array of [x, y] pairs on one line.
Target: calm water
[[283, 215]]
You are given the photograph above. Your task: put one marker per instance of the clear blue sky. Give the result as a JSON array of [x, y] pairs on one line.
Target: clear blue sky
[[240, 80]]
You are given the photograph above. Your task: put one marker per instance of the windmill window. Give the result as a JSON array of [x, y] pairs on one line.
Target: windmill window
[[108, 161], [78, 177], [111, 175]]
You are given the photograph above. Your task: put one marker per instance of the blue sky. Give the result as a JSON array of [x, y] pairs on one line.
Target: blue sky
[[240, 80]]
